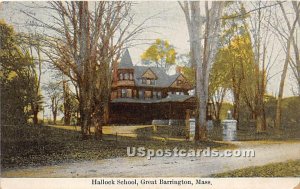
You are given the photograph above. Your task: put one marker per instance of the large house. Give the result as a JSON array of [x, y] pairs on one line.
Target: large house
[[140, 94]]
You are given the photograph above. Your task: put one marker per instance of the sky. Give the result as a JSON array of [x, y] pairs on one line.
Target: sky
[[171, 25], [168, 23]]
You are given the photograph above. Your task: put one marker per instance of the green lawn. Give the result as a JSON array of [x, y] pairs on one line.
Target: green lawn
[[285, 169], [33, 146]]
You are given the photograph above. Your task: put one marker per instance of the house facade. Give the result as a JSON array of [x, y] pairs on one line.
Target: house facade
[[140, 94]]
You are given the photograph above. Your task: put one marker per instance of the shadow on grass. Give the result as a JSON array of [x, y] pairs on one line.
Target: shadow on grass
[[24, 145]]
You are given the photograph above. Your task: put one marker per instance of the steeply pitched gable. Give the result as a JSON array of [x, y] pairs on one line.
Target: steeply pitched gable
[[149, 74], [180, 82], [163, 79]]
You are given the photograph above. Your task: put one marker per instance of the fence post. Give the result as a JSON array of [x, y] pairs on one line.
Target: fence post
[[116, 136]]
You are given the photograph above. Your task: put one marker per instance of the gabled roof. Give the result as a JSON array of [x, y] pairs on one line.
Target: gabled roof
[[178, 75], [149, 71], [126, 61], [163, 79]]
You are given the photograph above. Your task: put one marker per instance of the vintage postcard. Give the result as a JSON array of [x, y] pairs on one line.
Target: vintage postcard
[[150, 94]]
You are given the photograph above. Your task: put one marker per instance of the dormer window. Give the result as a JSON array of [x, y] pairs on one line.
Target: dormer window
[[147, 81]]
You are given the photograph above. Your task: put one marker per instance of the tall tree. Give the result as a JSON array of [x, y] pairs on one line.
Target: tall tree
[[295, 62], [235, 61], [232, 60], [218, 86], [161, 53], [259, 28], [202, 57], [17, 79], [31, 44], [88, 38], [54, 93], [290, 40]]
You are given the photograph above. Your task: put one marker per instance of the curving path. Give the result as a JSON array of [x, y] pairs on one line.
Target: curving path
[[265, 152]]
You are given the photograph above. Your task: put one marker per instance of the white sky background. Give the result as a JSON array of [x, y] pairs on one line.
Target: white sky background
[[169, 23]]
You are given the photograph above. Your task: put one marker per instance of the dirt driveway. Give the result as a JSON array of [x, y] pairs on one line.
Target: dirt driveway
[[265, 152]]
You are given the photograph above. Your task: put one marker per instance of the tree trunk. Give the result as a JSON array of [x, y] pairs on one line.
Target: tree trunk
[[106, 113], [280, 94], [260, 107], [236, 113], [85, 88], [284, 72], [281, 86], [54, 117], [98, 121], [236, 104], [202, 116], [67, 111], [85, 111], [35, 117], [196, 23], [202, 60]]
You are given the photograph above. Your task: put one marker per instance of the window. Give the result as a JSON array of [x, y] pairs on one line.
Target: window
[[131, 76], [134, 93], [124, 93], [179, 82], [129, 93], [159, 94], [121, 76], [152, 82], [141, 94], [148, 81], [126, 76], [148, 94], [154, 94]]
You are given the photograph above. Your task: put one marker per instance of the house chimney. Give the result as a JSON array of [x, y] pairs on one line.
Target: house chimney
[[115, 71]]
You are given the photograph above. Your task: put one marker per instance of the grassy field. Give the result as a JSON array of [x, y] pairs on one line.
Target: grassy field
[[34, 146], [286, 169]]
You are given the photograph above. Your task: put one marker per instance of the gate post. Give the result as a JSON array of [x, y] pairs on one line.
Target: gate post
[[187, 123]]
